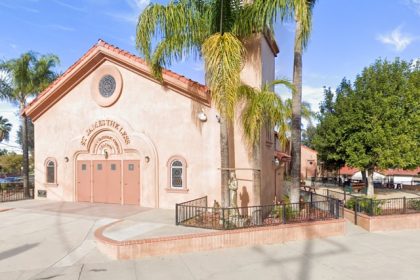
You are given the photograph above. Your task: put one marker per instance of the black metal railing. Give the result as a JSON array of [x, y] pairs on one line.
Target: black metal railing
[[311, 208], [376, 207], [14, 191]]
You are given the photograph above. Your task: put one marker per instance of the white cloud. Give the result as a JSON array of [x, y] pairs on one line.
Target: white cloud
[[310, 94], [72, 7], [414, 5], [136, 7], [397, 39], [313, 95]]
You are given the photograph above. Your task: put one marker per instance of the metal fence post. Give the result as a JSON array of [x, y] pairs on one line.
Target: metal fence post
[[176, 214], [223, 218], [371, 208], [404, 205], [284, 213], [337, 207], [355, 211]]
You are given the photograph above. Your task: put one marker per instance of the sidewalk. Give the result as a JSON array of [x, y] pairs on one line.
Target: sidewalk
[[46, 244]]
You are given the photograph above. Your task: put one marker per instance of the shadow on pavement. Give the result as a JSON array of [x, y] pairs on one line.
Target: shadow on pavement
[[17, 250], [306, 257]]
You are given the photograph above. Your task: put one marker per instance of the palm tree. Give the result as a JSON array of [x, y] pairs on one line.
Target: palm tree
[[262, 107], [301, 12], [5, 128], [285, 126], [214, 30], [25, 77]]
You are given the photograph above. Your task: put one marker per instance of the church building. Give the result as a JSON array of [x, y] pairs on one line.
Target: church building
[[106, 131]]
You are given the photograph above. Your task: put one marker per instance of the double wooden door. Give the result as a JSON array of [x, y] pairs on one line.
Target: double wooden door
[[108, 181]]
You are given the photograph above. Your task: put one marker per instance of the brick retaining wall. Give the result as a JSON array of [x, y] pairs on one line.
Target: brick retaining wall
[[133, 249], [385, 222]]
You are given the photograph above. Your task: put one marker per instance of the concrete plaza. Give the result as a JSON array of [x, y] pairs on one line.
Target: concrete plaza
[[53, 240]]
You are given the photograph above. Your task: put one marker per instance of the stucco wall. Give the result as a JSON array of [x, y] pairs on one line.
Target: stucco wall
[[160, 122], [308, 170]]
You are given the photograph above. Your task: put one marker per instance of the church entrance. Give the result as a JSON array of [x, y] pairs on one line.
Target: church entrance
[[108, 181]]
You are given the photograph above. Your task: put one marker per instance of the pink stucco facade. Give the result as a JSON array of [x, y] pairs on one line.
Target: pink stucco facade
[[309, 163], [146, 124]]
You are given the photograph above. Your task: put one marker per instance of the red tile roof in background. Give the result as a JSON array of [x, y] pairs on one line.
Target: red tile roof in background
[[346, 170]]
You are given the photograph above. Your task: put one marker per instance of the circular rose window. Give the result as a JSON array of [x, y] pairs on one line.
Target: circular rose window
[[106, 85]]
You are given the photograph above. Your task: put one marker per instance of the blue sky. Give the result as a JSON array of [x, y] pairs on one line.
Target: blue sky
[[347, 36]]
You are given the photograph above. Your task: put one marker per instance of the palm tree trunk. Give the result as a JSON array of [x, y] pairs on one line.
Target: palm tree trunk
[[296, 115], [256, 173], [25, 166], [224, 156]]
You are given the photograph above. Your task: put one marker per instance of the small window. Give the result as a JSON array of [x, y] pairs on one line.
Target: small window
[[50, 172], [113, 167], [99, 166], [131, 167], [84, 167], [176, 174]]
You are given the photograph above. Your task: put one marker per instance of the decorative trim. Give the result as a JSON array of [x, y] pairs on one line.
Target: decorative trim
[[54, 161], [99, 74], [173, 190], [184, 174], [95, 57]]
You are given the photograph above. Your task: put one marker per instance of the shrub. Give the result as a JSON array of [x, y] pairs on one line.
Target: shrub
[[371, 206], [414, 204]]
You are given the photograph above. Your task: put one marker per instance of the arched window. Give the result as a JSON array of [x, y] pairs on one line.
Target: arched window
[[177, 174], [51, 171]]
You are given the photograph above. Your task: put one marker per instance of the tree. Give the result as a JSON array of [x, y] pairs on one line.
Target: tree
[[308, 136], [10, 164], [24, 77], [326, 140], [31, 137], [5, 128], [261, 107], [301, 12], [374, 124], [285, 126], [214, 30]]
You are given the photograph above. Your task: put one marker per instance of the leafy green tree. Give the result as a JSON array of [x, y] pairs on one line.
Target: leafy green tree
[[25, 77], [308, 135], [375, 123], [11, 164], [5, 128], [216, 31]]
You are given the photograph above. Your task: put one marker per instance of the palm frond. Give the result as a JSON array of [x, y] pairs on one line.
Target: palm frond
[[223, 56], [261, 108], [179, 27]]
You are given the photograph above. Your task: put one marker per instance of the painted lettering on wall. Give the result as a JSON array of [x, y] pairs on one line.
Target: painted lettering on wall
[[102, 124]]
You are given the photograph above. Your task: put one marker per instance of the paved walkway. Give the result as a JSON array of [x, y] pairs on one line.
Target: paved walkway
[[51, 244]]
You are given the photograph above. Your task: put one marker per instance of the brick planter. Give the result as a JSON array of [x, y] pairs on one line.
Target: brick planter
[[133, 249], [385, 222]]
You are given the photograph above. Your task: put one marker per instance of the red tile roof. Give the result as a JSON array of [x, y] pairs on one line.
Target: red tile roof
[[282, 156], [346, 170], [116, 50], [402, 172]]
